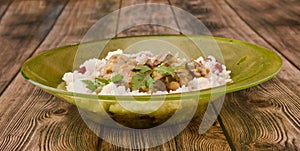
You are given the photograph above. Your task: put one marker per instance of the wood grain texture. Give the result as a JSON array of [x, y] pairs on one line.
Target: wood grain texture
[[36, 120], [23, 27], [273, 38], [229, 25], [4, 4], [140, 15], [213, 139], [77, 18], [31, 119], [189, 139], [88, 13], [278, 22], [250, 117], [265, 117]]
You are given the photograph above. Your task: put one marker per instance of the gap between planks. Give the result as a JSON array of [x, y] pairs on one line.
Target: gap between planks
[[5, 9]]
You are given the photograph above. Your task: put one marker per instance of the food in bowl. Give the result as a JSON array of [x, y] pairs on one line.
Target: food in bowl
[[144, 73]]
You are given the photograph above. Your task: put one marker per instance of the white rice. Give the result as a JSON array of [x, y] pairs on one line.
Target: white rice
[[95, 68]]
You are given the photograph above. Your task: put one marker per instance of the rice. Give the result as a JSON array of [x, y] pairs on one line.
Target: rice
[[94, 68]]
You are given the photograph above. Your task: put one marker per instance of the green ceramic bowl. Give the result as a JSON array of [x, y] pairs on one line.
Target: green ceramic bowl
[[250, 65]]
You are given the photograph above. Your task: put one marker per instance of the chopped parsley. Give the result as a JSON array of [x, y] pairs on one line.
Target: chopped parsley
[[98, 82], [164, 70], [144, 78], [92, 85], [142, 81]]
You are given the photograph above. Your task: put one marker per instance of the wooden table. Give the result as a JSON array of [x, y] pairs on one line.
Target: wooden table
[[264, 117]]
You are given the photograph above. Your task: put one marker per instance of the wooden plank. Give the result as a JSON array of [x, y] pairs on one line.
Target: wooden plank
[[273, 38], [31, 119], [278, 22], [189, 139], [51, 129], [37, 121], [4, 4], [263, 117], [76, 20], [213, 139], [146, 29], [23, 27]]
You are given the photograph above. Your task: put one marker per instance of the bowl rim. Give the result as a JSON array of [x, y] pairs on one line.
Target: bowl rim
[[216, 91]]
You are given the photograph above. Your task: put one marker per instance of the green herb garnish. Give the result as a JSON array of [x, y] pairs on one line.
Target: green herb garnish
[[94, 85], [91, 85], [116, 78], [102, 80], [143, 78], [164, 70], [142, 81]]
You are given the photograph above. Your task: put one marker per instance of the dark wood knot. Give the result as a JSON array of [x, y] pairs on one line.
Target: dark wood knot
[[60, 112], [261, 103]]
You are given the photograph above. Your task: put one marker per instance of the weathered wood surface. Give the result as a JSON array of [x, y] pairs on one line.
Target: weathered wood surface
[[265, 117], [23, 27], [283, 38], [277, 22], [35, 120], [145, 29], [4, 4]]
